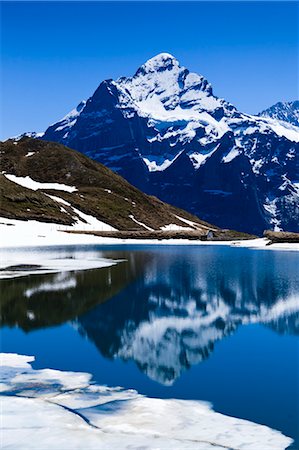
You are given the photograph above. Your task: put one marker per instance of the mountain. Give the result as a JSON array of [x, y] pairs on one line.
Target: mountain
[[48, 182], [166, 132], [284, 111]]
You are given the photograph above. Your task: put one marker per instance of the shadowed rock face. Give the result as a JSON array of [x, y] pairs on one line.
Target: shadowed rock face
[[166, 132], [225, 196]]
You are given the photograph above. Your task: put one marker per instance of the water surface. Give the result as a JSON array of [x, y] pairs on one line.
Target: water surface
[[209, 323]]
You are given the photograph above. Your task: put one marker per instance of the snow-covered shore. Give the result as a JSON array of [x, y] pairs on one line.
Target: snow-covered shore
[[31, 233], [50, 409]]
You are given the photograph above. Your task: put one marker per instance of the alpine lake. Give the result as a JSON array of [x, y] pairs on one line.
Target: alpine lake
[[212, 323]]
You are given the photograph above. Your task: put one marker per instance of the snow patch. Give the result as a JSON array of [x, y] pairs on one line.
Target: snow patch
[[174, 227], [35, 185], [153, 166], [140, 223], [195, 224], [30, 233], [199, 159], [271, 208], [284, 129], [33, 261], [231, 155]]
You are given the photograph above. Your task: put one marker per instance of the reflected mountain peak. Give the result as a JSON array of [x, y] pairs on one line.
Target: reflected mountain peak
[[165, 309], [172, 316]]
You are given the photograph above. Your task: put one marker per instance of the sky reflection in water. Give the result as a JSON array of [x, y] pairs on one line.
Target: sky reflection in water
[[210, 323]]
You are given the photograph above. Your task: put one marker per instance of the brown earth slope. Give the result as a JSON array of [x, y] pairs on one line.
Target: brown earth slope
[[99, 191]]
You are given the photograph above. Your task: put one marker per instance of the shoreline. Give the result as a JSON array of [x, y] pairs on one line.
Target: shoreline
[[26, 260], [16, 234]]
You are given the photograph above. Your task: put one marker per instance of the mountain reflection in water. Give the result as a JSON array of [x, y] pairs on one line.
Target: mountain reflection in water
[[163, 309]]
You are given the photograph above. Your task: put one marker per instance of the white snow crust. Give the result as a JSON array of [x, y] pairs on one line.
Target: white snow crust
[[67, 411], [174, 227], [18, 234]]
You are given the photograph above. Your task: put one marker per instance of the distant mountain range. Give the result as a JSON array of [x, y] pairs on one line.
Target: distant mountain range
[[48, 182], [166, 132]]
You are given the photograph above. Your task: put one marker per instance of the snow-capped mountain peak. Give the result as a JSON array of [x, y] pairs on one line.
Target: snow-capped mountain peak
[[166, 132], [160, 62], [166, 68], [162, 85]]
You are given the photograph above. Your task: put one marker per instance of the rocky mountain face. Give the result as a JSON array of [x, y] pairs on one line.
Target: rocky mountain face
[[48, 182], [166, 132], [283, 111]]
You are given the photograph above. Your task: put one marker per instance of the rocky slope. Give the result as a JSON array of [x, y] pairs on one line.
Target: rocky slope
[[166, 132], [283, 111], [48, 182]]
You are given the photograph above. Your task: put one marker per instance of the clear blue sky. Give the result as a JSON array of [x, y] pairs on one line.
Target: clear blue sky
[[56, 53]]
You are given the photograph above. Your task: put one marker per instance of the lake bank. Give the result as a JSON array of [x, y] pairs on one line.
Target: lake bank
[[16, 233]]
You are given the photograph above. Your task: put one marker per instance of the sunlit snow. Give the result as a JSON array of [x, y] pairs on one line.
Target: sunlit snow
[[35, 185], [67, 411]]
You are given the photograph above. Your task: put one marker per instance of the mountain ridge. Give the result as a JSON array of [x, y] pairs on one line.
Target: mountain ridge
[[165, 131], [283, 111]]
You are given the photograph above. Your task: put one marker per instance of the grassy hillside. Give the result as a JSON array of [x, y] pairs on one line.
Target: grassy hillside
[[100, 192]]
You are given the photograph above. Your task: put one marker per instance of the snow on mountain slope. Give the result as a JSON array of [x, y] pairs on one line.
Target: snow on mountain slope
[[166, 132], [283, 111]]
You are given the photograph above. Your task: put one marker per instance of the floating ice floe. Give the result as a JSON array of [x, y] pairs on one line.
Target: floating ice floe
[[51, 409], [31, 261]]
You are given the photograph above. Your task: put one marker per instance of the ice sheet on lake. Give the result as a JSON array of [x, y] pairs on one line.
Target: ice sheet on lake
[[31, 261], [64, 410]]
